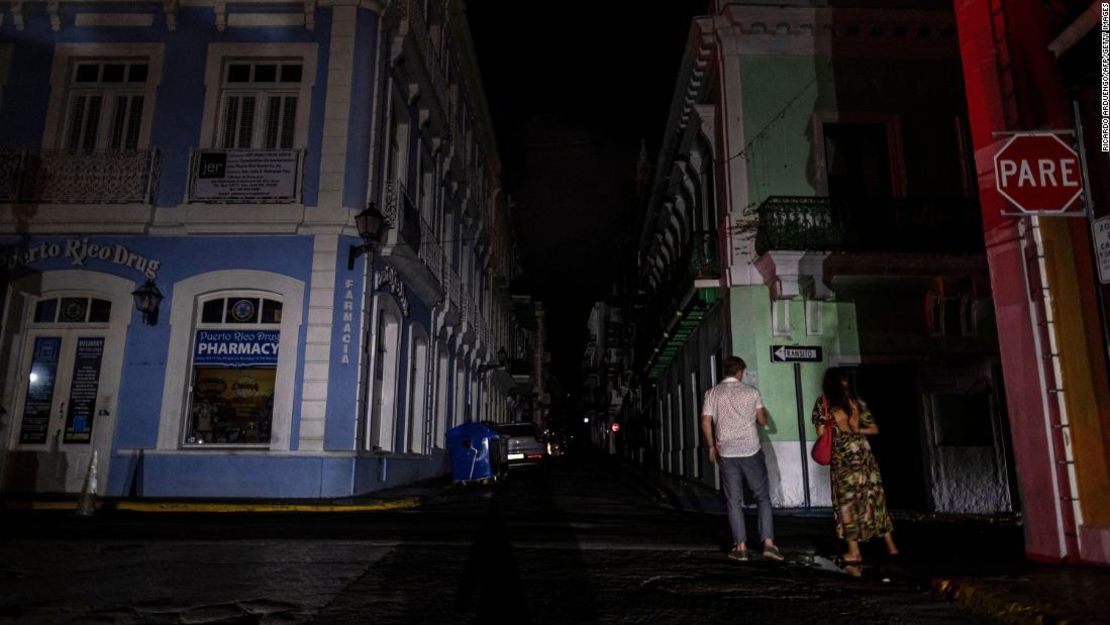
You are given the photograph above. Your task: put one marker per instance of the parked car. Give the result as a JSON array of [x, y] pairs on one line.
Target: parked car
[[526, 446]]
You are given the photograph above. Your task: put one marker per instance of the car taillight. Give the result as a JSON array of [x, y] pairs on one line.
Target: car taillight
[[534, 456]]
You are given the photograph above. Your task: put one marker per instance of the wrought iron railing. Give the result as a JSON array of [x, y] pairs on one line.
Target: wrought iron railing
[[61, 177], [840, 224], [466, 314], [430, 252], [11, 164], [245, 176], [454, 286], [402, 215]]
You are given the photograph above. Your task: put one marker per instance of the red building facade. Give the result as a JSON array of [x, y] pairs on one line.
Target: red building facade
[[1032, 65]]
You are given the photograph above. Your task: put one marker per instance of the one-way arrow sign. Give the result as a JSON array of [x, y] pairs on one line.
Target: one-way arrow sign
[[796, 353]]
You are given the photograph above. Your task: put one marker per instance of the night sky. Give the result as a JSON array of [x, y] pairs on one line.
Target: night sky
[[572, 93]]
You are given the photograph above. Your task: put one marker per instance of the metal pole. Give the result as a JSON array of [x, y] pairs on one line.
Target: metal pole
[[802, 431]]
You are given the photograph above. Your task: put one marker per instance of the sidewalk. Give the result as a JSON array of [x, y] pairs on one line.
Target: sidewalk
[[398, 498], [977, 561]]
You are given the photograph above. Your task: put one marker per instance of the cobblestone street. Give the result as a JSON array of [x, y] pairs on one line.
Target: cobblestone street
[[570, 543]]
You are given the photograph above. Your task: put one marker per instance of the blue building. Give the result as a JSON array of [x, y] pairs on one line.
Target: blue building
[[217, 152]]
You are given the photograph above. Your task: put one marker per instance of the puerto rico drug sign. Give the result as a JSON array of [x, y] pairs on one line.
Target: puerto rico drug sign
[[1039, 173]]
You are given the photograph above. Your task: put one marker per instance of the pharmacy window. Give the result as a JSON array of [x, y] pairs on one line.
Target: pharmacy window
[[234, 370]]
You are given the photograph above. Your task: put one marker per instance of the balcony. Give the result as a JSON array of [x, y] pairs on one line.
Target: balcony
[[61, 177], [454, 287], [413, 241], [245, 176], [906, 225], [521, 368]]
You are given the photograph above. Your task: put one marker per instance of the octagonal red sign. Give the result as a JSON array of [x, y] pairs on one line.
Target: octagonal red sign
[[1039, 173]]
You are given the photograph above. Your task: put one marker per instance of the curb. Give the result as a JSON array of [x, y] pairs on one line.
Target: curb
[[996, 605], [220, 508]]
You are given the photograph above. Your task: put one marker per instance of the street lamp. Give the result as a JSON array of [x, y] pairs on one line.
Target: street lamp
[[502, 360], [370, 224], [147, 299]]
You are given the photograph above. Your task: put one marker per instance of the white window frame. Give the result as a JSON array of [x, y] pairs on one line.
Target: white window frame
[[221, 54], [387, 316], [262, 93], [399, 132], [780, 317], [199, 325], [815, 317], [184, 316], [416, 427], [442, 381], [66, 57]]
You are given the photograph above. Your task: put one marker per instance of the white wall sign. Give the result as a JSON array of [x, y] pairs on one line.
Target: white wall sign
[[1100, 230], [79, 251], [242, 175]]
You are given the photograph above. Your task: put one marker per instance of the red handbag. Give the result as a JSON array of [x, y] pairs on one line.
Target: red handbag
[[822, 449]]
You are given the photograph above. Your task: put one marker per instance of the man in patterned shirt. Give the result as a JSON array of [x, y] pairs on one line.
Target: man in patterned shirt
[[735, 408]]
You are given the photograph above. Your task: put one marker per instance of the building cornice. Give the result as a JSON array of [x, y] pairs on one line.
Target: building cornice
[[806, 31]]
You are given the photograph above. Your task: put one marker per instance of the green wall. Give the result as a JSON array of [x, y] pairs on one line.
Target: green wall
[[780, 95], [752, 340]]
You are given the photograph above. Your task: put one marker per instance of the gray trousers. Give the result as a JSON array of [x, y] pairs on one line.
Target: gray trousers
[[734, 473]]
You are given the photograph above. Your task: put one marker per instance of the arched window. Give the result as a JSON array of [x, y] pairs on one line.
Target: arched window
[[233, 369], [383, 404], [418, 391], [443, 376], [459, 415], [232, 361]]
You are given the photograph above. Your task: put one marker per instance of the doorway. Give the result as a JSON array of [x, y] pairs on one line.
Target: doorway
[[67, 354]]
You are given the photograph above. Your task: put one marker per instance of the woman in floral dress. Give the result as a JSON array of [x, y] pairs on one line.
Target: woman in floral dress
[[859, 503]]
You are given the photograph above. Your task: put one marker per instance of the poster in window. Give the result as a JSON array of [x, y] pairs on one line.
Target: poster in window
[[234, 375], [81, 408], [40, 390], [245, 176]]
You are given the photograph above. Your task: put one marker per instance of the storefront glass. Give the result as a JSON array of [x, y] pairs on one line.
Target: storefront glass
[[234, 367]]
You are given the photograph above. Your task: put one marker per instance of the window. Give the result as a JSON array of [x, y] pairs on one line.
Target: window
[[70, 310], [277, 315], [258, 96], [780, 317], [234, 371], [428, 187], [397, 165], [258, 104], [105, 102], [857, 160], [815, 323], [418, 389], [5, 61]]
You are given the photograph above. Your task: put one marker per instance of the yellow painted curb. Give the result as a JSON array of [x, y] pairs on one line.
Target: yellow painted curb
[[998, 606], [176, 506], [53, 505]]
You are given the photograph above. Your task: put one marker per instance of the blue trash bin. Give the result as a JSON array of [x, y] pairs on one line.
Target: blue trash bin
[[469, 446]]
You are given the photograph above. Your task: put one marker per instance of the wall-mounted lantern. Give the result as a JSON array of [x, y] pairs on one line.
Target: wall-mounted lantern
[[147, 300]]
